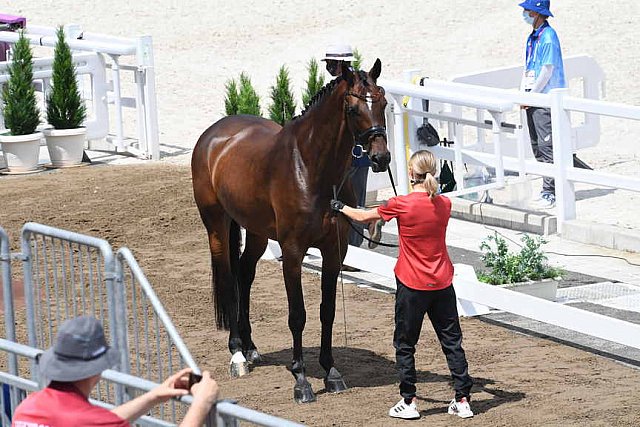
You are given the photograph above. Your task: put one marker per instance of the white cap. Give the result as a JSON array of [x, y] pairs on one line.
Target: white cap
[[339, 52]]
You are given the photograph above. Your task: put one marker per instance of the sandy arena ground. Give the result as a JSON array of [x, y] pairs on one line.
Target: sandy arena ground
[[519, 380], [198, 45]]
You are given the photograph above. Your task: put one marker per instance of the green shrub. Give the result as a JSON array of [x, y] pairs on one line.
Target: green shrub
[[505, 267], [20, 108], [357, 63], [315, 81], [65, 107], [248, 99], [232, 98], [283, 107]]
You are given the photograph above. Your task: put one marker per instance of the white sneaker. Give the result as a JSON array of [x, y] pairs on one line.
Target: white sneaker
[[547, 201], [460, 408], [404, 411]]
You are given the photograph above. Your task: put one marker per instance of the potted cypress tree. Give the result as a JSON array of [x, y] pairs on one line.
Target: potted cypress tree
[[21, 145], [66, 111], [283, 107]]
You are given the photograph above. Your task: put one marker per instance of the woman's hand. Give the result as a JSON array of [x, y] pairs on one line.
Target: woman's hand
[[336, 205]]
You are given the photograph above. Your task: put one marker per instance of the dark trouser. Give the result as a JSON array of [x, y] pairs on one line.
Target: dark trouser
[[359, 183], [539, 122], [440, 306]]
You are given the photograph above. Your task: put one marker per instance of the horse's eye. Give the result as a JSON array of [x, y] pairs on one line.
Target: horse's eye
[[352, 110]]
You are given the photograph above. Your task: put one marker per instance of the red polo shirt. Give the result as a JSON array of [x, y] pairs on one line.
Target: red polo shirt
[[63, 406], [423, 261]]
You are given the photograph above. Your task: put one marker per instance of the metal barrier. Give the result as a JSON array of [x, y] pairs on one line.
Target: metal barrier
[[67, 274], [155, 349]]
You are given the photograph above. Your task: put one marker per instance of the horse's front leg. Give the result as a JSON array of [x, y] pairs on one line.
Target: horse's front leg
[[331, 260], [292, 269]]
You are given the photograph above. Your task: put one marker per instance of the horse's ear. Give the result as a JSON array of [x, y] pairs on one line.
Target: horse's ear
[[347, 74], [374, 73]]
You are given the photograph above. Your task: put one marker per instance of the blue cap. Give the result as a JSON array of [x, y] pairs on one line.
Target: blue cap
[[540, 6]]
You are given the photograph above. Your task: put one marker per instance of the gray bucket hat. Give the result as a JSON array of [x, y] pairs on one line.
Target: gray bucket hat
[[80, 351]]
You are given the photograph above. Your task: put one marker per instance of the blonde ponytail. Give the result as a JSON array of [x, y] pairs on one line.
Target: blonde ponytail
[[431, 185], [423, 165]]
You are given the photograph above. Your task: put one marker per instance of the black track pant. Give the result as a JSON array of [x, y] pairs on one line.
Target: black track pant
[[440, 306], [539, 122]]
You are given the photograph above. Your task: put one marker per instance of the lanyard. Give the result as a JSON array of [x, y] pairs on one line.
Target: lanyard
[[532, 45]]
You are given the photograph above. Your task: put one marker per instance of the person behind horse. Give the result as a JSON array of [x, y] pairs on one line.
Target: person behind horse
[[338, 57], [543, 71], [424, 275], [74, 365]]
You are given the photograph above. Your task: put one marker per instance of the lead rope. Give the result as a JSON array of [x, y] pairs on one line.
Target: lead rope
[[344, 309]]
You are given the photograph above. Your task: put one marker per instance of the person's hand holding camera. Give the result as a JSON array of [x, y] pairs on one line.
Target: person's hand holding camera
[[205, 390]]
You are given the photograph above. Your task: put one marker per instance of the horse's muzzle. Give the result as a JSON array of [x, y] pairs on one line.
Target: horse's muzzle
[[380, 162]]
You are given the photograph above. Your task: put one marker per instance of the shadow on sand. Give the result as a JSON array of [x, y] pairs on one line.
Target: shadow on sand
[[364, 368]]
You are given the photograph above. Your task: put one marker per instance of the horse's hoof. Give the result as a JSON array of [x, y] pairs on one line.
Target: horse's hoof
[[303, 393], [238, 369], [239, 365], [334, 383], [253, 356]]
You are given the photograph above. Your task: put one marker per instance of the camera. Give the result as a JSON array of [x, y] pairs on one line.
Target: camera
[[193, 379]]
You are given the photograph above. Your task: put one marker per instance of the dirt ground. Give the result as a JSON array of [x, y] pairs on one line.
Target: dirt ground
[[519, 380]]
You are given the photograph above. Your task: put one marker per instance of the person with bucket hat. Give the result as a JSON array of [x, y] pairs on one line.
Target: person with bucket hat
[[337, 57], [543, 71], [73, 366]]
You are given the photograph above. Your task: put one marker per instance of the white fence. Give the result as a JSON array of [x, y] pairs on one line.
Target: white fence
[[100, 57], [499, 104]]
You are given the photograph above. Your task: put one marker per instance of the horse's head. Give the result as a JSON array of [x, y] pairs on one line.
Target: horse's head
[[364, 105]]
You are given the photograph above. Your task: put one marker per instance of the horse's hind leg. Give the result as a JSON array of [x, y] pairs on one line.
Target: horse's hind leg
[[254, 248], [218, 226]]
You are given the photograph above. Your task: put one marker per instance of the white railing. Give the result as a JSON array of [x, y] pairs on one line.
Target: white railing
[[110, 51], [498, 103]]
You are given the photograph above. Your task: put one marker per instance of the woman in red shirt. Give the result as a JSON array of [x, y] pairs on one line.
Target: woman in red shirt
[[424, 275]]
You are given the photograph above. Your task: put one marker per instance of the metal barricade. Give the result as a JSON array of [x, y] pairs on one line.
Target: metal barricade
[[156, 349], [68, 274]]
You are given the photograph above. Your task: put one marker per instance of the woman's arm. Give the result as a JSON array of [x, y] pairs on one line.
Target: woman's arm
[[361, 215]]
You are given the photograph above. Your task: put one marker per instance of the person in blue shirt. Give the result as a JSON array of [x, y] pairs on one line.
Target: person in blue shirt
[[543, 71]]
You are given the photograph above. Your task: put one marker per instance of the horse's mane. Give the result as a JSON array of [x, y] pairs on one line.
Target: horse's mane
[[328, 88]]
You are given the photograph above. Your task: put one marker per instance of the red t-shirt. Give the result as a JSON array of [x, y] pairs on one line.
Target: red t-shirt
[[423, 262], [63, 407]]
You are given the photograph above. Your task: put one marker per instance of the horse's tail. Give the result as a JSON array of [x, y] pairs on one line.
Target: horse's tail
[[226, 294]]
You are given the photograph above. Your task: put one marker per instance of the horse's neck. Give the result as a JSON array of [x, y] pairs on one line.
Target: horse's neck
[[324, 142]]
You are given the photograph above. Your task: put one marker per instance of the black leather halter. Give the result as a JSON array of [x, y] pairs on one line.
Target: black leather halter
[[364, 136]]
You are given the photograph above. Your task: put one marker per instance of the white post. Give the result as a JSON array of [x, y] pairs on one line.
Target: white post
[[145, 59], [410, 138], [562, 157], [115, 69], [399, 150], [496, 117]]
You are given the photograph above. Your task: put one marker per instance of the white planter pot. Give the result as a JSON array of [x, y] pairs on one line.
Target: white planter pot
[[21, 152], [545, 289], [65, 146]]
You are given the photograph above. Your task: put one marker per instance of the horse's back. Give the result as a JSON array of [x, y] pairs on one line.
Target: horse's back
[[231, 126], [231, 162]]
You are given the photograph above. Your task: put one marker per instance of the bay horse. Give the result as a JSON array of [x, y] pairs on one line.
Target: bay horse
[[276, 182]]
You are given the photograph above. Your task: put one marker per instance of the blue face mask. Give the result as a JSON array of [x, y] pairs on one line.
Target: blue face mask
[[528, 19]]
